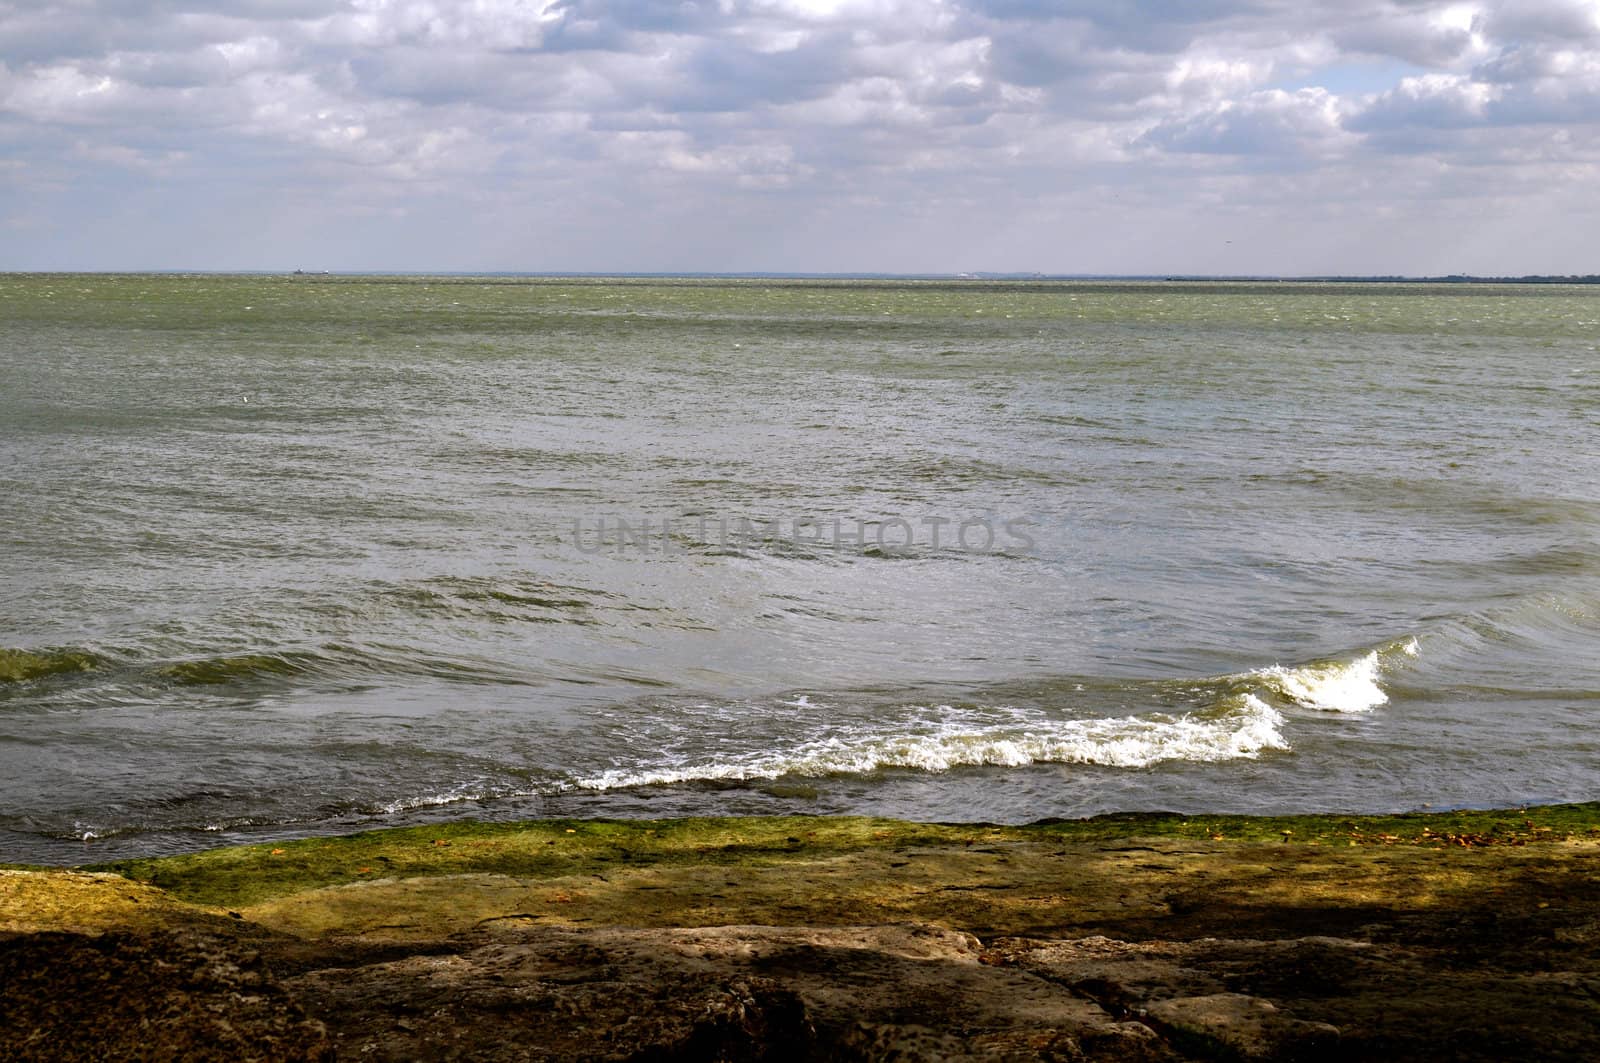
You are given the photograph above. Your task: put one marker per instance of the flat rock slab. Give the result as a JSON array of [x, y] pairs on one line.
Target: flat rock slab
[[524, 991], [718, 993]]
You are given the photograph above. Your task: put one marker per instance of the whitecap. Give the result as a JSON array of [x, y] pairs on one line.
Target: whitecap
[[1241, 727], [1334, 685]]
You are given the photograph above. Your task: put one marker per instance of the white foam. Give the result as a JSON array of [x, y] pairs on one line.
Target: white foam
[[1333, 686], [458, 795], [1241, 728], [408, 804]]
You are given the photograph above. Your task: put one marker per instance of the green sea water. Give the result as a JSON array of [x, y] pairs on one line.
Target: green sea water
[[288, 555]]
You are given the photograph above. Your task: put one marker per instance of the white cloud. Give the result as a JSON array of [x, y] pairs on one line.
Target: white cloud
[[453, 120], [1434, 101], [1268, 126]]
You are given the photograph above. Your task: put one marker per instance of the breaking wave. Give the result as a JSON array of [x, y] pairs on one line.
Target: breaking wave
[[1237, 717], [1334, 685], [1241, 726]]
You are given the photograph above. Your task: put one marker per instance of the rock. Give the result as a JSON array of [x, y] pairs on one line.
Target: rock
[[824, 939], [161, 996], [903, 992], [1244, 1026]]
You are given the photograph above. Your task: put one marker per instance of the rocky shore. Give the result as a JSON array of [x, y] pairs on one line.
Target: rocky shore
[[1461, 936]]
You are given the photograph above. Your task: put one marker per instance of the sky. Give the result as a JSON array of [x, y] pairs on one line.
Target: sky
[[1285, 137]]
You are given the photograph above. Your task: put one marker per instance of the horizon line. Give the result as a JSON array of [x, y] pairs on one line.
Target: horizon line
[[974, 275]]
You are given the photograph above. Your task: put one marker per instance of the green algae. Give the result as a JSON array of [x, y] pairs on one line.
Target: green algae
[[92, 902], [555, 849], [1471, 828], [544, 849]]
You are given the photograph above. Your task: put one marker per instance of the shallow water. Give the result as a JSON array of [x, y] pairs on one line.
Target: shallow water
[[286, 555]]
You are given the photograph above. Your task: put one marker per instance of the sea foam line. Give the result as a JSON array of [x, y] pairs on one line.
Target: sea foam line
[[1243, 727]]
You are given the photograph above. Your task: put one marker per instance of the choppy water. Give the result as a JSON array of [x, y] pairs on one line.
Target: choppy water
[[299, 554]]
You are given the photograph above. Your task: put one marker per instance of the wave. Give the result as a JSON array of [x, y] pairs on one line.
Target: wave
[[488, 598], [215, 813], [1334, 685], [136, 672], [1240, 726], [1236, 717], [214, 671], [18, 666], [1216, 720], [21, 665]]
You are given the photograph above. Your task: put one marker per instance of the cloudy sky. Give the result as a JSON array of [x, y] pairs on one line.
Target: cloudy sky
[[1142, 136]]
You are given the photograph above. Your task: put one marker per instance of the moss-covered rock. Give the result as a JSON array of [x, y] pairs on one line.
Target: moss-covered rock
[[580, 849], [1462, 935]]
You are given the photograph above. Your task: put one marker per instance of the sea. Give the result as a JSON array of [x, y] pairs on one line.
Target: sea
[[296, 555]]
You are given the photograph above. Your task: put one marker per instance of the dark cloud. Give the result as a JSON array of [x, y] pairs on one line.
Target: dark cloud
[[1559, 21], [1158, 26], [1413, 38], [730, 76]]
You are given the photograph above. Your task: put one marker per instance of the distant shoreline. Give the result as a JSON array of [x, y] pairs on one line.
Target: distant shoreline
[[975, 277]]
